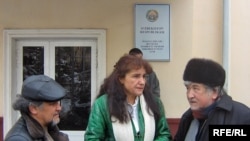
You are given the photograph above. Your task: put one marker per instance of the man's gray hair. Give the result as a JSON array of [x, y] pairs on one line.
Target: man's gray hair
[[22, 104]]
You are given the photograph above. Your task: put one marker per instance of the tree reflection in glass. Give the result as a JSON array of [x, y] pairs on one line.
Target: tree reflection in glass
[[73, 72]]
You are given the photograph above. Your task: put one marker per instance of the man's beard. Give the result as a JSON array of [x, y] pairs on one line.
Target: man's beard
[[54, 121]]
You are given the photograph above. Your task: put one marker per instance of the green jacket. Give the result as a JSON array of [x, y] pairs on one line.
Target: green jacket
[[100, 126]]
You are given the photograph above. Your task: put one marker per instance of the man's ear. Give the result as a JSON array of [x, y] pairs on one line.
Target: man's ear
[[33, 109], [215, 94]]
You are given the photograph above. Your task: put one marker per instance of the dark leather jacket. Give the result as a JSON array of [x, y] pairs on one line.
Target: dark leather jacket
[[226, 112], [28, 129]]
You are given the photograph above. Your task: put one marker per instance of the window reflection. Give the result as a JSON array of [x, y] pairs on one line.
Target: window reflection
[[73, 72], [33, 61]]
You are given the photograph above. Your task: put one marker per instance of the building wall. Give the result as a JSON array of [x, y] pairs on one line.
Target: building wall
[[117, 17], [239, 51], [196, 30]]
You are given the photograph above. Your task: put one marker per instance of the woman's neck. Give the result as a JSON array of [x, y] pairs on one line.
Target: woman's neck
[[131, 99]]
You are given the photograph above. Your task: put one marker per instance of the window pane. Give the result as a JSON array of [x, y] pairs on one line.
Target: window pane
[[73, 72], [33, 61]]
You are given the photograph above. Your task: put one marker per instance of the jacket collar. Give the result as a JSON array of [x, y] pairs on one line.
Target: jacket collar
[[34, 128], [37, 132], [225, 102]]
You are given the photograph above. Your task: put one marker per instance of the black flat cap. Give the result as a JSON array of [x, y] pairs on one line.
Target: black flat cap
[[42, 88]]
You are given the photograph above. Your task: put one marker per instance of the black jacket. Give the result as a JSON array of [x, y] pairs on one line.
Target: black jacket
[[28, 129], [226, 111]]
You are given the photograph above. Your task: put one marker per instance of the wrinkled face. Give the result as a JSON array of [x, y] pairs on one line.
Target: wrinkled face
[[134, 82], [47, 113], [199, 96]]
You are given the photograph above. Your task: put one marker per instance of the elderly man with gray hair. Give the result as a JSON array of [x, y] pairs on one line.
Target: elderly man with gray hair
[[209, 103], [39, 105]]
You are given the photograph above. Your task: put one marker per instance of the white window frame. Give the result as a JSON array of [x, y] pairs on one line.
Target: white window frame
[[11, 36]]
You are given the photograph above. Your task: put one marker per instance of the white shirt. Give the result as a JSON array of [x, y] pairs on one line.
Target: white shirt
[[133, 111]]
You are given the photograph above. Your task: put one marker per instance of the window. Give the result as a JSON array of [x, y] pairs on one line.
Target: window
[[74, 58]]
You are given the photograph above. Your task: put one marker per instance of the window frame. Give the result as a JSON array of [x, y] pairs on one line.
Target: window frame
[[11, 36]]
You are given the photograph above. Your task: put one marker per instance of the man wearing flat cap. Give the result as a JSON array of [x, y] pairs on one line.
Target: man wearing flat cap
[[209, 103], [39, 105]]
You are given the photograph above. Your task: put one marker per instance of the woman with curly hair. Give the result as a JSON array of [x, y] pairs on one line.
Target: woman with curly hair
[[125, 108]]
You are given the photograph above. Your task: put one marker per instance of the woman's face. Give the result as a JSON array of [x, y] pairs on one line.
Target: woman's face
[[134, 82]]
